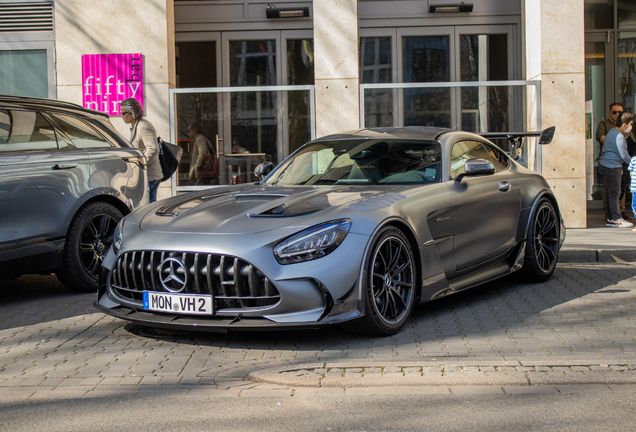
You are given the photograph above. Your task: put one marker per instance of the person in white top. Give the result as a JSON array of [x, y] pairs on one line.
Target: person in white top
[[144, 136]]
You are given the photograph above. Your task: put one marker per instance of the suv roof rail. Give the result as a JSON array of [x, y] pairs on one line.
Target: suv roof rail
[[51, 103]]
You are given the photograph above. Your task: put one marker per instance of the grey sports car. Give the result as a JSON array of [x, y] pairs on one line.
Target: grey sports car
[[353, 229]]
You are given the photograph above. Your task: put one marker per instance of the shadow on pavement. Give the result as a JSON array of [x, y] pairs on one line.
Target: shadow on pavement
[[487, 309]]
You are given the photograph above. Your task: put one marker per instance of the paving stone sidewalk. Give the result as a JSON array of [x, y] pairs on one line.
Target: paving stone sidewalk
[[577, 328]]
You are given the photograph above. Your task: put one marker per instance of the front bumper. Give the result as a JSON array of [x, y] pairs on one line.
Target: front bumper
[[311, 294], [215, 325]]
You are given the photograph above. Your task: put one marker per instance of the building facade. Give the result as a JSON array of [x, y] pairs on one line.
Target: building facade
[[263, 77]]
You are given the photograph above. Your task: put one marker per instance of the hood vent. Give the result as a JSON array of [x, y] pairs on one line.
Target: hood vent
[[258, 197]]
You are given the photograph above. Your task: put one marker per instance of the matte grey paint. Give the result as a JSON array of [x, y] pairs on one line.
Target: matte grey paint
[[462, 233]]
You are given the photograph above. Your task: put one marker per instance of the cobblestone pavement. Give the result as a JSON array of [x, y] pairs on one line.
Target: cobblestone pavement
[[579, 327]]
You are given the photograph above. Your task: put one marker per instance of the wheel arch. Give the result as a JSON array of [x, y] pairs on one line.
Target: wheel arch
[[406, 229], [550, 197]]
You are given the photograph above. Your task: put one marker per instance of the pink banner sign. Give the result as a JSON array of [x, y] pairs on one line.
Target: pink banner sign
[[108, 79]]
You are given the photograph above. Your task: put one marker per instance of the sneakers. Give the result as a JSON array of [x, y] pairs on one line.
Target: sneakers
[[619, 223]]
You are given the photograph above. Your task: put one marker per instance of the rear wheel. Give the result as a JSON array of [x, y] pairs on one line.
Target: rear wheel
[[89, 238], [389, 285], [542, 244]]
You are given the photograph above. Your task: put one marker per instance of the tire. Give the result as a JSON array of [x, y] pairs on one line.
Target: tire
[[89, 238], [389, 286], [542, 243]]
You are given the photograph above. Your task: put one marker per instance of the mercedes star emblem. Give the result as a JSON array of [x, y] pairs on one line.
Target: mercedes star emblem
[[177, 275]]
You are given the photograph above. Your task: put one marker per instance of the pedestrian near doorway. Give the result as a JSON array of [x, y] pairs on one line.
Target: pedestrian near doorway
[[603, 128], [632, 185], [200, 147], [144, 136], [613, 155]]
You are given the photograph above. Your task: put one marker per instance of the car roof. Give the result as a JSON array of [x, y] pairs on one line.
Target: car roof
[[406, 132], [48, 104]]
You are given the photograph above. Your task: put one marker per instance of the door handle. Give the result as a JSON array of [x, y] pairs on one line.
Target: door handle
[[64, 166], [505, 186]]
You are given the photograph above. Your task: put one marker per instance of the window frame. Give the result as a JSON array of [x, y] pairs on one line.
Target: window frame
[[24, 42]]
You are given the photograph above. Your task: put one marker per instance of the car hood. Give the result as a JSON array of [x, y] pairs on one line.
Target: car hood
[[251, 209]]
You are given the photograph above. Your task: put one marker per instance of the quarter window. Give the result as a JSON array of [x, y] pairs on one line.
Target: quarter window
[[25, 131], [499, 158]]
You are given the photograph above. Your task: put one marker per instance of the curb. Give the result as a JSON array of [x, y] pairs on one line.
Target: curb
[[382, 374], [591, 255]]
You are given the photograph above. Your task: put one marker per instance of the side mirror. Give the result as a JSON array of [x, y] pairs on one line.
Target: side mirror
[[547, 135], [262, 170], [475, 167]]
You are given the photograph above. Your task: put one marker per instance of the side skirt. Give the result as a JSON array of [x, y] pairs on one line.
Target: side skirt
[[509, 264]]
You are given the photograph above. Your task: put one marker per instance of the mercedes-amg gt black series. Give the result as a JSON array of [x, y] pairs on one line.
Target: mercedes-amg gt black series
[[353, 229]]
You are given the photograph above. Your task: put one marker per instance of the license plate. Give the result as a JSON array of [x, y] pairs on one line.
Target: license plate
[[190, 304]]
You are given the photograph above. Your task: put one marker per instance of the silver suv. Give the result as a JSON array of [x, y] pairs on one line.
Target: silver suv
[[67, 178]]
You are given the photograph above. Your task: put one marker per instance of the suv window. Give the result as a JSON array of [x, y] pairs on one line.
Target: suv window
[[113, 137], [25, 131], [82, 135], [464, 150]]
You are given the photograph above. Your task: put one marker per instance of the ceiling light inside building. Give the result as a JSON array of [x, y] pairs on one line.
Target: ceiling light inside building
[[451, 8], [273, 12]]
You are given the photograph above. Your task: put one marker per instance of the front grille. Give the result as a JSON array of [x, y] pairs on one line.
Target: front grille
[[233, 283]]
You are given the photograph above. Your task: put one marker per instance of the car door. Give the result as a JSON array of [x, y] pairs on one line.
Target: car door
[[115, 169], [486, 208], [41, 178]]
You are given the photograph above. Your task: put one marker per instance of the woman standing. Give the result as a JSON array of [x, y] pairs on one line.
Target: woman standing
[[144, 136]]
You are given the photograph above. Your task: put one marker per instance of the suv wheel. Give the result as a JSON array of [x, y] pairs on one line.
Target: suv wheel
[[87, 242]]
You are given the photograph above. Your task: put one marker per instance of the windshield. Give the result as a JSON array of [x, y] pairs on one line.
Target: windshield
[[361, 161]]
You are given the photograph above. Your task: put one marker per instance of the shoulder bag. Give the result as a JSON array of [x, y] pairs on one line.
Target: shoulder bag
[[169, 157]]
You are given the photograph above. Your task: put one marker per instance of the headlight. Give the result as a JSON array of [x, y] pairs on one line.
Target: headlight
[[117, 237], [314, 242]]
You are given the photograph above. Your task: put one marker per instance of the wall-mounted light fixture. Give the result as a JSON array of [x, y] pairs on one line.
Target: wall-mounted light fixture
[[451, 8], [273, 12]]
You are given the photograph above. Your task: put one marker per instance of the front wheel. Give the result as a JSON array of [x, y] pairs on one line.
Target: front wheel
[[390, 276], [89, 238], [542, 243]]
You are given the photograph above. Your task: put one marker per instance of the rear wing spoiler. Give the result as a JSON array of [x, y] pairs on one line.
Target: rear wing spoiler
[[516, 138]]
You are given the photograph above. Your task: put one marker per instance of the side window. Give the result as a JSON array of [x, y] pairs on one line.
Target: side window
[[25, 131], [82, 135], [499, 158], [113, 137], [464, 150]]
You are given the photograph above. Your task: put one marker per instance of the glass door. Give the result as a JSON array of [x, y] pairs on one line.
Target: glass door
[[250, 118], [427, 55], [198, 66], [599, 93], [441, 55], [378, 60], [236, 92], [485, 54]]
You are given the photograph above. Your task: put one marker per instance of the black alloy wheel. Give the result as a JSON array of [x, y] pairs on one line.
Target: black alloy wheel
[[542, 248], [89, 238], [390, 285]]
